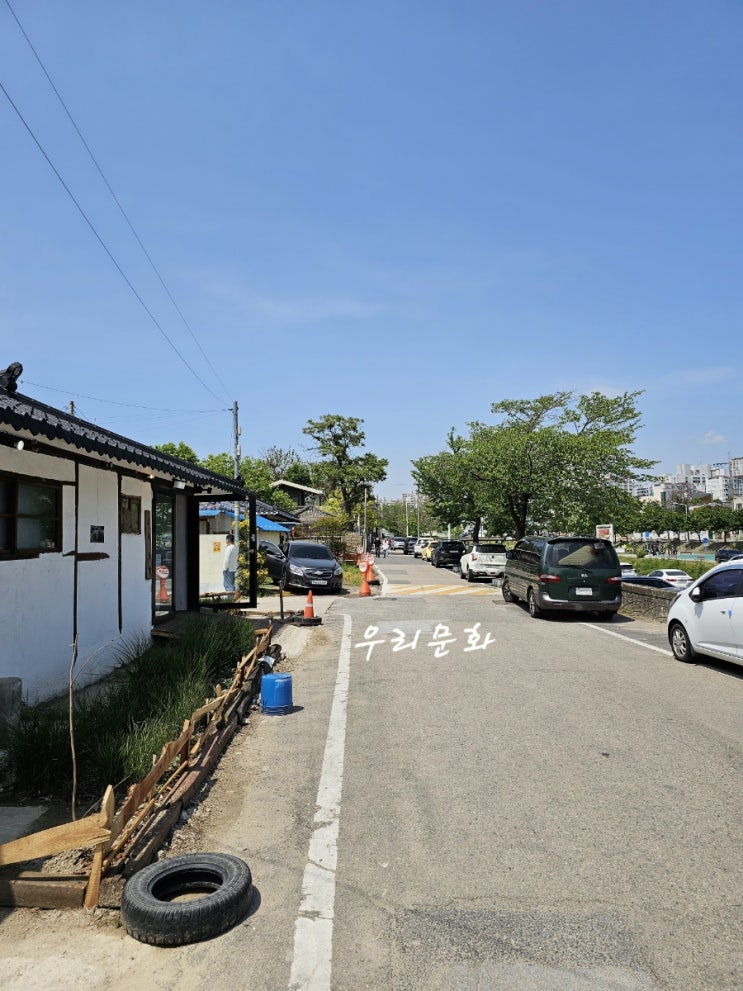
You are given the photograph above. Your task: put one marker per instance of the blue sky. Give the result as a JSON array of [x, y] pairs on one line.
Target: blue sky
[[399, 211]]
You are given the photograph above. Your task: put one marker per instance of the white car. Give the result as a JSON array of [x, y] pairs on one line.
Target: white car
[[486, 559], [707, 617], [420, 543], [628, 569], [673, 575]]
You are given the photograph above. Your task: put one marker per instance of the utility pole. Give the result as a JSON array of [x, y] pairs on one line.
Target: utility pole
[[236, 440]]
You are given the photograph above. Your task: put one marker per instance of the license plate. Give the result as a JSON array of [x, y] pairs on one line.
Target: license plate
[[319, 581], [584, 591]]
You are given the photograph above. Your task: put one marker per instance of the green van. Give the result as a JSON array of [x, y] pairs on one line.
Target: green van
[[577, 574]]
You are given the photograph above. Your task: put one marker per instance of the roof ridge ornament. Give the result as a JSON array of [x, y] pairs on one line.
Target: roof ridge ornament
[[9, 376]]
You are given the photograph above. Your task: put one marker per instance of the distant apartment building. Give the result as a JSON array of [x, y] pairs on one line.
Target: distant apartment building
[[719, 488], [720, 481]]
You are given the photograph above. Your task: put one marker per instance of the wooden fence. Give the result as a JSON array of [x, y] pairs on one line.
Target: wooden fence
[[124, 840]]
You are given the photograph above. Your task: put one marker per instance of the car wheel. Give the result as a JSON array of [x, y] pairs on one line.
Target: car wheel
[[680, 644], [463, 574], [508, 595], [534, 611], [470, 577], [152, 912]]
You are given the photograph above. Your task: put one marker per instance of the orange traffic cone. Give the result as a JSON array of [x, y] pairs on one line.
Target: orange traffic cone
[[365, 568], [309, 609]]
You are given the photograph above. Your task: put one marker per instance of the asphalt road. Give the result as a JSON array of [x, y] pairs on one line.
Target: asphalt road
[[535, 804]]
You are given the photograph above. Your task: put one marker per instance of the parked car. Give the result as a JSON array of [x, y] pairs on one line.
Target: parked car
[[304, 565], [727, 553], [446, 553], [409, 545], [678, 578], [648, 580], [628, 569], [398, 543], [420, 543], [274, 558], [486, 560], [579, 574], [707, 616], [428, 550]]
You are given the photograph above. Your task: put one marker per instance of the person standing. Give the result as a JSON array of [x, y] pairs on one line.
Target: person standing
[[229, 565]]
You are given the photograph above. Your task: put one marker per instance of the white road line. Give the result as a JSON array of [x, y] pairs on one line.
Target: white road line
[[621, 636], [313, 931]]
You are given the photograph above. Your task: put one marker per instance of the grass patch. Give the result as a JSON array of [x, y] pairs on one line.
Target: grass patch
[[351, 575], [121, 727]]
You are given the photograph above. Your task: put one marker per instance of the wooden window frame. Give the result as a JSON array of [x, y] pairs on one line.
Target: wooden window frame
[[17, 482]]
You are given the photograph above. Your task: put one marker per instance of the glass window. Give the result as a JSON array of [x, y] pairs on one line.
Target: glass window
[[723, 585], [30, 516]]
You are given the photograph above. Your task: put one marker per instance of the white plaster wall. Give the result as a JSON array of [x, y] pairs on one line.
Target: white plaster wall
[[136, 590], [99, 637], [37, 595]]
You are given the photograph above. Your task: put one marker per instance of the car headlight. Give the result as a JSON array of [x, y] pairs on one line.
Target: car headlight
[[296, 570], [337, 571]]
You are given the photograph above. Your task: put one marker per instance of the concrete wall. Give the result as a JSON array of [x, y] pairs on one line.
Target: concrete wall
[[646, 602]]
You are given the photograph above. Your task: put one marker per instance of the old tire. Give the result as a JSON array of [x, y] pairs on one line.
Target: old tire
[[151, 915]]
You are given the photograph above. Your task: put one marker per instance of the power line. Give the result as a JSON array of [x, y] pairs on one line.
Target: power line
[[102, 243], [115, 197], [113, 402]]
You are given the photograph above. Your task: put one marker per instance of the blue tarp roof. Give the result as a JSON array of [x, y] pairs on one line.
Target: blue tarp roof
[[261, 522]]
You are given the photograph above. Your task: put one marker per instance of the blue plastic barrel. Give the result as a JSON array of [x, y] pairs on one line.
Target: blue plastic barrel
[[276, 694]]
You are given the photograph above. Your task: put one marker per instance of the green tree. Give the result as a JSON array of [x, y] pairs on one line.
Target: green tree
[[447, 479], [340, 470], [179, 450], [551, 463], [221, 464], [280, 461]]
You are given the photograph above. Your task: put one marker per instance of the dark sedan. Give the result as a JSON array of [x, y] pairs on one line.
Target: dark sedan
[[727, 554], [303, 565]]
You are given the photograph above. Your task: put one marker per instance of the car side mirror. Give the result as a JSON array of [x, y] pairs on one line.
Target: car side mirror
[[696, 594]]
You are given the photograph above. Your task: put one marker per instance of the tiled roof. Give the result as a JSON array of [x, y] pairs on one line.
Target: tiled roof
[[27, 416]]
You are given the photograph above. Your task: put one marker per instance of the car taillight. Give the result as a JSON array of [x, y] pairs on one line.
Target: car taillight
[[473, 556], [614, 580], [549, 579]]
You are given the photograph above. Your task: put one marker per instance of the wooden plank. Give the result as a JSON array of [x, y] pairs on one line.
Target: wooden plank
[[69, 836], [206, 709], [105, 818], [151, 838], [29, 889], [142, 791]]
